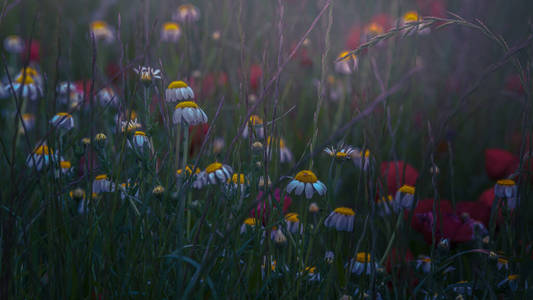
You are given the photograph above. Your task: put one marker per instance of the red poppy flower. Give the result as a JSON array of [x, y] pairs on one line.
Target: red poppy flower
[[500, 163], [454, 227], [384, 20], [397, 259], [211, 81], [256, 73], [263, 208], [448, 226], [197, 134], [434, 8], [396, 174], [514, 85], [35, 51], [88, 163], [354, 38], [112, 71], [476, 210]]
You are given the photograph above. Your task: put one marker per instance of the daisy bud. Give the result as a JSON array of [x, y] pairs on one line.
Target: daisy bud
[[86, 141], [313, 208], [158, 191], [444, 244], [77, 194], [279, 237]]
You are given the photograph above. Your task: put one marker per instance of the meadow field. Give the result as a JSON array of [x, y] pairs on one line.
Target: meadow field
[[266, 149]]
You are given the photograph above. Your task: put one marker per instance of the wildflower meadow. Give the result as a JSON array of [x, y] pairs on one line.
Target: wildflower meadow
[[266, 149]]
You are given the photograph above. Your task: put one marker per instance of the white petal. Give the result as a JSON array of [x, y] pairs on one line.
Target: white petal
[[291, 186], [308, 191]]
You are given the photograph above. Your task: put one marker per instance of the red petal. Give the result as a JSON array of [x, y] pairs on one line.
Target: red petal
[[407, 175], [500, 163]]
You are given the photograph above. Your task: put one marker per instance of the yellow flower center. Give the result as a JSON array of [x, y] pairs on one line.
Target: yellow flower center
[[385, 199], [341, 155], [213, 167], [292, 217], [65, 164], [177, 85], [346, 58], [250, 221], [410, 16], [140, 133], [306, 176], [63, 114], [255, 120], [29, 71], [503, 261], [98, 25], [26, 79], [426, 259], [185, 8], [346, 211], [374, 28], [43, 150], [171, 26], [186, 104], [101, 177], [310, 270], [188, 170], [237, 179], [512, 277], [408, 189], [363, 257], [506, 182], [27, 117], [100, 136]]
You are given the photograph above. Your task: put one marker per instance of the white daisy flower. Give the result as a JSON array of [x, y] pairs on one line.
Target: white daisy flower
[[186, 13], [171, 32], [502, 263], [29, 122], [311, 273], [285, 154], [40, 157], [14, 44], [248, 224], [292, 222], [238, 182], [102, 184], [404, 198], [423, 263], [63, 121], [411, 17], [306, 181], [147, 74], [139, 140], [342, 219], [107, 96], [189, 113], [254, 128], [341, 153], [65, 167], [178, 91], [361, 159], [329, 257], [217, 173], [346, 65], [511, 281], [361, 263], [102, 31], [385, 205], [30, 88], [507, 189]]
